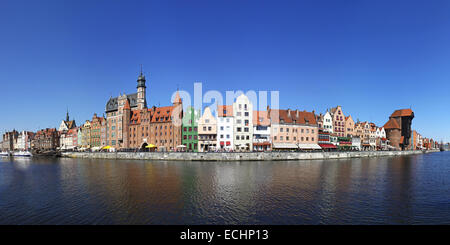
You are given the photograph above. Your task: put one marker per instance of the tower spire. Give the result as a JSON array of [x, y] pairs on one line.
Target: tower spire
[[67, 115]]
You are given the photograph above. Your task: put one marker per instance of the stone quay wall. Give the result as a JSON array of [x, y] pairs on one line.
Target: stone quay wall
[[237, 156]]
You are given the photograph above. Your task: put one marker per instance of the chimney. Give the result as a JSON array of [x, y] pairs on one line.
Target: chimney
[[289, 112], [297, 114]]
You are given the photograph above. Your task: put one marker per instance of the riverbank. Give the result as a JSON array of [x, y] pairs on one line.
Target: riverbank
[[236, 156]]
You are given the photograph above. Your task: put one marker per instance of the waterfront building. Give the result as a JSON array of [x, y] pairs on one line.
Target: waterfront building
[[67, 124], [261, 131], [207, 131], [225, 127], [398, 128], [381, 140], [293, 130], [95, 132], [190, 129], [328, 122], [363, 131], [325, 122], [356, 143], [116, 121], [372, 137], [103, 132], [338, 121], [24, 140], [86, 135], [319, 120], [243, 123], [324, 141], [158, 126], [79, 137], [9, 139], [72, 134], [65, 142], [349, 126], [45, 140]]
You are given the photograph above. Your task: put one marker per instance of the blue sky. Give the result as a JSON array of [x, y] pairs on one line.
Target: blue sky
[[370, 57]]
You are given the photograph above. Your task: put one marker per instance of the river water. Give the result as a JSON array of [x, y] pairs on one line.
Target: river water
[[387, 190]]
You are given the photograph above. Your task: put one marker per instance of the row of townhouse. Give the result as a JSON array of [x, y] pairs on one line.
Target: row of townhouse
[[130, 125]]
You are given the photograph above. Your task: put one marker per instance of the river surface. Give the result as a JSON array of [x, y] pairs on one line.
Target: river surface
[[386, 190]]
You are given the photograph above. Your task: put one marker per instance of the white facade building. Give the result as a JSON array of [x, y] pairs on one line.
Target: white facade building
[[225, 128], [261, 131], [23, 141], [243, 123], [328, 122]]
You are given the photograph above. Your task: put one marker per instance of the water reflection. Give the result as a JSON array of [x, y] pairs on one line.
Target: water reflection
[[388, 190]]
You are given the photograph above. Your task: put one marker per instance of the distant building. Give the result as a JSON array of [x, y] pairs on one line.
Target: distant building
[[67, 124], [9, 140], [398, 128], [96, 131], [45, 140]]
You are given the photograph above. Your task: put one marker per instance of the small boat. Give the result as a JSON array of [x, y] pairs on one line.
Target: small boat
[[22, 154], [5, 154]]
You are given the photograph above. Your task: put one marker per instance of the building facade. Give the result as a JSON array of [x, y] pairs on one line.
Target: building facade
[[207, 131], [190, 129], [261, 131], [225, 128], [243, 123]]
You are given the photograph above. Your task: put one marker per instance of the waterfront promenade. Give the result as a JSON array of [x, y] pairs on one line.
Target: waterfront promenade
[[237, 156]]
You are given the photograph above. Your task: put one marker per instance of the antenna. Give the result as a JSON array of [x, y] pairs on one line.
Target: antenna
[[141, 69]]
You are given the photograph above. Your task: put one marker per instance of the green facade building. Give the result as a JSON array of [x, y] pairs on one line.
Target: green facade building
[[189, 129]]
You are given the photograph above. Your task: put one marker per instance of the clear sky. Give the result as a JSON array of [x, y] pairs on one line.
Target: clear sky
[[370, 57]]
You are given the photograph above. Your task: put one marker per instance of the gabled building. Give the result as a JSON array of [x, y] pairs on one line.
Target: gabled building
[[338, 121], [189, 129], [207, 131], [349, 126], [243, 123], [67, 124], [225, 127], [45, 140]]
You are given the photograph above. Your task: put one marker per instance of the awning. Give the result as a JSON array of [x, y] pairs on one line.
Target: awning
[[345, 143], [285, 146], [327, 146], [228, 143], [309, 146], [261, 143], [222, 143]]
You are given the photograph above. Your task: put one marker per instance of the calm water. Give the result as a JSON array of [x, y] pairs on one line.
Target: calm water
[[388, 190]]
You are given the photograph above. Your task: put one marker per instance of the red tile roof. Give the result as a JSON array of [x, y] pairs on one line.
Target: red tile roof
[[391, 124], [257, 115], [161, 114], [402, 113], [293, 116]]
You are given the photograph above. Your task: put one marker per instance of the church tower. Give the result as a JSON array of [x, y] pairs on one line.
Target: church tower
[[141, 96]]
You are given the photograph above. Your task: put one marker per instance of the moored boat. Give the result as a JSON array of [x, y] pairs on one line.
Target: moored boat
[[22, 154], [5, 154]]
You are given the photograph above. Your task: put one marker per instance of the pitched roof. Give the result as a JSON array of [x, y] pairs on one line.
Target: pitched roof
[[261, 118], [135, 117], [127, 105], [391, 124], [402, 113], [161, 114], [177, 98], [293, 116], [113, 104], [227, 108]]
